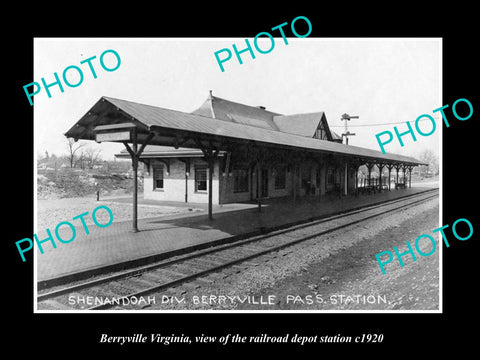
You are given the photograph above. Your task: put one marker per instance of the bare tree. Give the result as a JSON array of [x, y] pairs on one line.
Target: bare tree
[[73, 147], [80, 160], [91, 157], [428, 156]]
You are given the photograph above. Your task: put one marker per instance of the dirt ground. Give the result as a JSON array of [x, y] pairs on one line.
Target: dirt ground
[[53, 211]]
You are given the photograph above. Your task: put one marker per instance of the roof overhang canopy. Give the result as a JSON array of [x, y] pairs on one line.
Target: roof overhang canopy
[[158, 126]]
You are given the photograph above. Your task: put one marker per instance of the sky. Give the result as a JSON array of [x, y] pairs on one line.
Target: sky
[[381, 80]]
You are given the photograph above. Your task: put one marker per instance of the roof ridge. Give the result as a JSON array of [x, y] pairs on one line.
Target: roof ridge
[[309, 113], [242, 104]]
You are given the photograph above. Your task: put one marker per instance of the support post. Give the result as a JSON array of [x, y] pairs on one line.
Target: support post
[[396, 182], [409, 177], [346, 178], [135, 180], [259, 188], [380, 170], [321, 177], [369, 167], [294, 182], [252, 174], [187, 173], [369, 174], [356, 179], [210, 186], [210, 155], [389, 167]]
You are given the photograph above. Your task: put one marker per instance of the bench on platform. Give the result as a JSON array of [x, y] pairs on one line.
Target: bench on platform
[[400, 186]]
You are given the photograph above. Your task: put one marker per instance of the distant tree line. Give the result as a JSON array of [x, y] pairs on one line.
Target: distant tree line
[[429, 157], [79, 155]]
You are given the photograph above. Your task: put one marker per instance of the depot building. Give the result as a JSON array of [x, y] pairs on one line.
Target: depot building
[[226, 152], [246, 173]]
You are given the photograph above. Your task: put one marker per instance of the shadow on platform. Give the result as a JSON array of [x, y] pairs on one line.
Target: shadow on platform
[[116, 247]]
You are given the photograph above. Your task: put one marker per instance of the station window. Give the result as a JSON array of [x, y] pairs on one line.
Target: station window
[[200, 179], [280, 177], [240, 180], [158, 177], [320, 134]]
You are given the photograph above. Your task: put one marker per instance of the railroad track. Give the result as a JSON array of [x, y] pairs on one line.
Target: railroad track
[[181, 269]]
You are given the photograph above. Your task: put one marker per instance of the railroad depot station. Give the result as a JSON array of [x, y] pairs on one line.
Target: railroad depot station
[[248, 169], [227, 152]]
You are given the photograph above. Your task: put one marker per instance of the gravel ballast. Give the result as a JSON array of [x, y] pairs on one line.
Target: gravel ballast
[[334, 272]]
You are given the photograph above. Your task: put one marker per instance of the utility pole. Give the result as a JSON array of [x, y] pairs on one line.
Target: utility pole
[[346, 117]]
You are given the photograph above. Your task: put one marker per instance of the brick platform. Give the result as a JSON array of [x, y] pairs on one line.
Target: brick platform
[[116, 247]]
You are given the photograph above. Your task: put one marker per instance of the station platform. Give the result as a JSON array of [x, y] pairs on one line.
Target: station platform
[[116, 247]]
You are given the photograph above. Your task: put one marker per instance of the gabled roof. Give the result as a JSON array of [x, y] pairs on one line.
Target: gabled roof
[[299, 124], [176, 128]]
